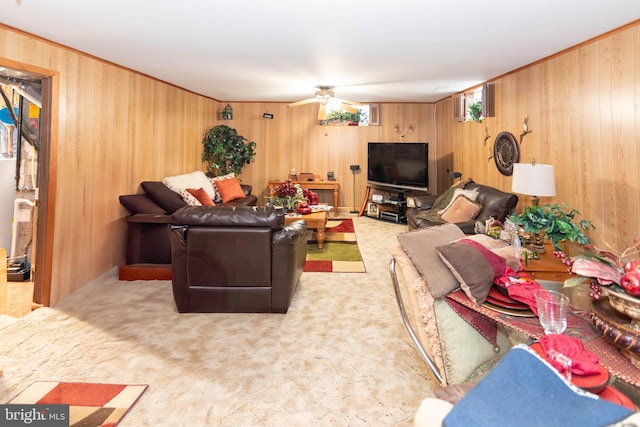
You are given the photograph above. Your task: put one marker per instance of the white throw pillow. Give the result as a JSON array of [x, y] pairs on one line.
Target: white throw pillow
[[195, 179]]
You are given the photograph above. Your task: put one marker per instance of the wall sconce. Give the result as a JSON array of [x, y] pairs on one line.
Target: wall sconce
[[399, 129], [455, 175], [227, 113]]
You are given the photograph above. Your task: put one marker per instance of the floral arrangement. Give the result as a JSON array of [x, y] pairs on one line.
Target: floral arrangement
[[602, 268], [289, 195]]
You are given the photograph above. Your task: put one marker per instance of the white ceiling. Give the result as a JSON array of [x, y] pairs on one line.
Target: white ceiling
[[279, 50]]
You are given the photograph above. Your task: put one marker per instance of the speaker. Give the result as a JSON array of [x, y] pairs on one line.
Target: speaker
[[354, 167]]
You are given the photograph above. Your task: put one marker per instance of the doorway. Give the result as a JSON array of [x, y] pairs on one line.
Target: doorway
[[25, 153]]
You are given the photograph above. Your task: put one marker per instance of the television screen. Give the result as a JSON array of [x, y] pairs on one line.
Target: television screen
[[399, 164]]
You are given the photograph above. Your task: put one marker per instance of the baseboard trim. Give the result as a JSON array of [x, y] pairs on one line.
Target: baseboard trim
[[145, 272]]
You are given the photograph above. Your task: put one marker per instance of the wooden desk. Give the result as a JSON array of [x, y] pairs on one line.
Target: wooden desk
[[312, 185]]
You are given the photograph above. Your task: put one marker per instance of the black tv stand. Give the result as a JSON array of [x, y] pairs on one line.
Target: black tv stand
[[393, 208], [399, 198]]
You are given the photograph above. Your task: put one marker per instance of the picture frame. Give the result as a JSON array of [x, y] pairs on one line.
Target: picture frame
[[372, 210]]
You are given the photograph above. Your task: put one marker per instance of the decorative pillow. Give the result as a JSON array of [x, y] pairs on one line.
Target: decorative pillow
[[471, 194], [510, 257], [194, 179], [140, 203], [217, 198], [229, 189], [498, 247], [201, 195], [488, 241], [445, 198], [189, 198], [474, 266], [420, 247], [462, 209], [164, 197]]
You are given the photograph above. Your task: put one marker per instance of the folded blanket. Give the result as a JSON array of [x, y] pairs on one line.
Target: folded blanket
[[524, 390]]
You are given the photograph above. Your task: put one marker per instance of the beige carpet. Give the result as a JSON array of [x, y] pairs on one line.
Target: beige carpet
[[339, 357]]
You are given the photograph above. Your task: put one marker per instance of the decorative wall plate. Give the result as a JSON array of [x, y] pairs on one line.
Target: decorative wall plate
[[506, 152]]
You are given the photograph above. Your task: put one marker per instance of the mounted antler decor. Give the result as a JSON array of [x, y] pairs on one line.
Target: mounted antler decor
[[525, 128]]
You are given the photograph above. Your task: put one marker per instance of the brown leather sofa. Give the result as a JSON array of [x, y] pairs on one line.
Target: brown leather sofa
[[147, 226], [496, 204], [235, 259]]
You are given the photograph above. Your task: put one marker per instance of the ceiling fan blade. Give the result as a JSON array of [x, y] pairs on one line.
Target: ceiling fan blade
[[322, 112], [344, 101], [348, 108], [303, 102]]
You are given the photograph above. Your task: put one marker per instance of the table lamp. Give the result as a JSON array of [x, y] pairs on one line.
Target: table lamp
[[534, 180]]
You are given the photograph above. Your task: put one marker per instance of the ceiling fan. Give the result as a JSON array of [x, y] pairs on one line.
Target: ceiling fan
[[323, 96]]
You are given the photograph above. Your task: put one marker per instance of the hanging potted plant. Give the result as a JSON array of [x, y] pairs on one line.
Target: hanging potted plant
[[224, 151]]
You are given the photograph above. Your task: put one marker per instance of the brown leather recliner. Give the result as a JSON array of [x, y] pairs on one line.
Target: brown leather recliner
[[240, 259], [496, 204]]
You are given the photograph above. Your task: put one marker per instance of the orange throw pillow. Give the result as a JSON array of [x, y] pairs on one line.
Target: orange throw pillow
[[229, 189], [202, 196]]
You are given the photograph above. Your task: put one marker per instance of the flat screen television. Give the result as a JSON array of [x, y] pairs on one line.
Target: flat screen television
[[399, 165]]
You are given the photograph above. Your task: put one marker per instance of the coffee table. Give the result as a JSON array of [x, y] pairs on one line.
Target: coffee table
[[315, 221]]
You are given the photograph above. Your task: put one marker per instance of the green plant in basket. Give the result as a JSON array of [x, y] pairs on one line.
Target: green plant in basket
[[559, 222]]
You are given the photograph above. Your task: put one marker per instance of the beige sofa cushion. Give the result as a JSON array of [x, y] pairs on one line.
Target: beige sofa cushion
[[420, 247]]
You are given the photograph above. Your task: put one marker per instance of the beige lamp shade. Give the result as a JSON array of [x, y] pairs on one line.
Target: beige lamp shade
[[533, 179]]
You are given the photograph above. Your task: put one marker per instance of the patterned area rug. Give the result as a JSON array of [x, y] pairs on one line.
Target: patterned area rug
[[90, 404], [340, 253]]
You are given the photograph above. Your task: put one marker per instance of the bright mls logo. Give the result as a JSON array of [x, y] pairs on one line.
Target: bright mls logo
[[34, 415]]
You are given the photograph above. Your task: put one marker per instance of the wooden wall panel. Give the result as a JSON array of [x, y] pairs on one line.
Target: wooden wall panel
[[583, 108], [293, 139], [116, 128]]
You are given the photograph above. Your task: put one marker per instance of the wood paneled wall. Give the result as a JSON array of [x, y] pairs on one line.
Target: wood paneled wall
[[115, 128], [584, 113], [293, 139]]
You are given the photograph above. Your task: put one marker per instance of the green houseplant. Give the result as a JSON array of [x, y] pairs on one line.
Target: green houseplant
[[343, 116], [225, 151], [339, 116], [556, 222], [475, 111]]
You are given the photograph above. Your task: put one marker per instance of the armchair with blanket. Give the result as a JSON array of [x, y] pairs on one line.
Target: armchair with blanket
[[463, 204]]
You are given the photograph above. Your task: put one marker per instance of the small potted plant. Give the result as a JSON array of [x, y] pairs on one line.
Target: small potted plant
[[338, 117], [225, 151], [556, 222], [358, 117], [475, 111]]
